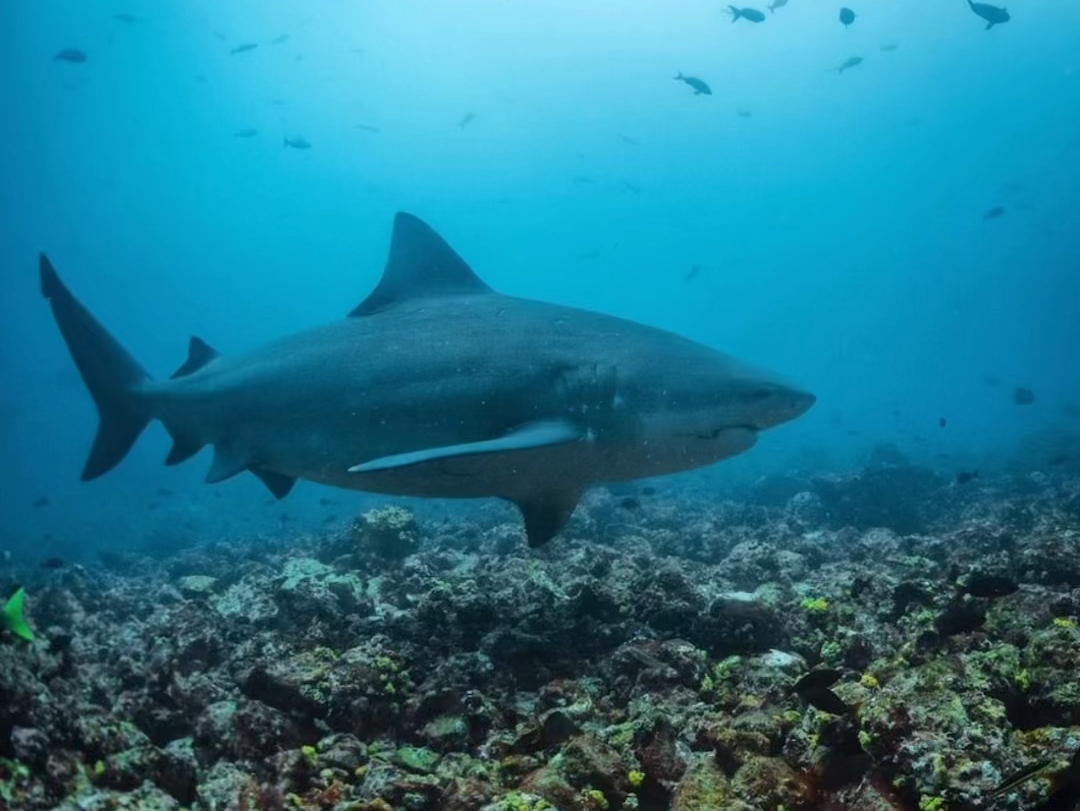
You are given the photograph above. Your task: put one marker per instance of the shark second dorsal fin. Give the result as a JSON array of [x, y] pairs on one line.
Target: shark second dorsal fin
[[421, 265], [200, 353]]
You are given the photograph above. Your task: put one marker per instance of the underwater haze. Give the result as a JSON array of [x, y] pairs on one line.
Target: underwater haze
[[481, 259], [901, 237]]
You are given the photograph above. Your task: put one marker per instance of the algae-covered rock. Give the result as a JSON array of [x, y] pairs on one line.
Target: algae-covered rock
[[389, 532]]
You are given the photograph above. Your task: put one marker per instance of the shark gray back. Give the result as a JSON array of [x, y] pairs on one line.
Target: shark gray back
[[437, 386]]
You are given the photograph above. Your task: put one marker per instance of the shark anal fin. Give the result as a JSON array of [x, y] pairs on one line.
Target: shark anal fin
[[200, 353], [421, 265], [546, 514], [277, 483], [531, 435]]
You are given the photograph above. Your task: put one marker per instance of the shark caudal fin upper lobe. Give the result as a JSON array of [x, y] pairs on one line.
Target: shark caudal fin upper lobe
[[111, 374]]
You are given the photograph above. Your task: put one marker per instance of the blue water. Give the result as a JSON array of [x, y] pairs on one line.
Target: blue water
[[837, 220]]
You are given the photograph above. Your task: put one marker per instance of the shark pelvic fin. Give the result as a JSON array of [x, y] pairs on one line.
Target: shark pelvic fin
[[546, 514], [277, 483], [227, 463], [531, 435], [421, 265], [200, 353]]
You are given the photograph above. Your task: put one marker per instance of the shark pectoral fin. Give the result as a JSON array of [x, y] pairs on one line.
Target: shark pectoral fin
[[183, 448], [226, 464], [531, 435], [200, 353], [277, 483], [545, 515]]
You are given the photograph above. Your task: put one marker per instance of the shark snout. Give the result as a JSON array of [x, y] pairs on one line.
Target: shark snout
[[775, 403]]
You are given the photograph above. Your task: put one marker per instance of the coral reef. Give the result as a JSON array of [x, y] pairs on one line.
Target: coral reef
[[646, 660]]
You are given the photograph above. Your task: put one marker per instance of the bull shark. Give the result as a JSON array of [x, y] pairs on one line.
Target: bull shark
[[436, 386]]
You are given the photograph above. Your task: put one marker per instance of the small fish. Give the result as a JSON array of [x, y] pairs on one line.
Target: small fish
[[820, 679], [326, 502], [692, 273], [1022, 396], [164, 491], [367, 128], [626, 139], [850, 62], [73, 55], [244, 48], [989, 585], [630, 187], [130, 19], [246, 133], [466, 120], [41, 501], [11, 616], [824, 699], [630, 503], [744, 114], [776, 4], [648, 491], [297, 143], [52, 563], [749, 14], [1018, 779], [847, 16], [280, 38], [965, 476], [1060, 459], [700, 88], [994, 213], [942, 422], [992, 14], [888, 47]]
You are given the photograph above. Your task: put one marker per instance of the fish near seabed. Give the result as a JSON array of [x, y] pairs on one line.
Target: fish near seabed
[[992, 14], [437, 386]]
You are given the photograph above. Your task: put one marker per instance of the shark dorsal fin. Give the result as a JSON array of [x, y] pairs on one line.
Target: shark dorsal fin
[[421, 265]]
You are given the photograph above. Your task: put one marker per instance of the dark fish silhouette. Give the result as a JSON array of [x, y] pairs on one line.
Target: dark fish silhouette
[[245, 133], [279, 39], [813, 688], [942, 422], [1022, 396], [367, 128], [850, 62], [466, 119], [847, 16], [994, 213], [53, 563], [965, 476], [630, 503], [776, 4], [43, 501], [989, 585], [694, 271], [748, 14], [700, 88], [992, 14], [297, 143], [130, 19], [73, 55], [247, 46]]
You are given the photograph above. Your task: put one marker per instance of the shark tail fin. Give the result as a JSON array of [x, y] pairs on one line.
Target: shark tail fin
[[11, 616], [111, 374], [735, 13]]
